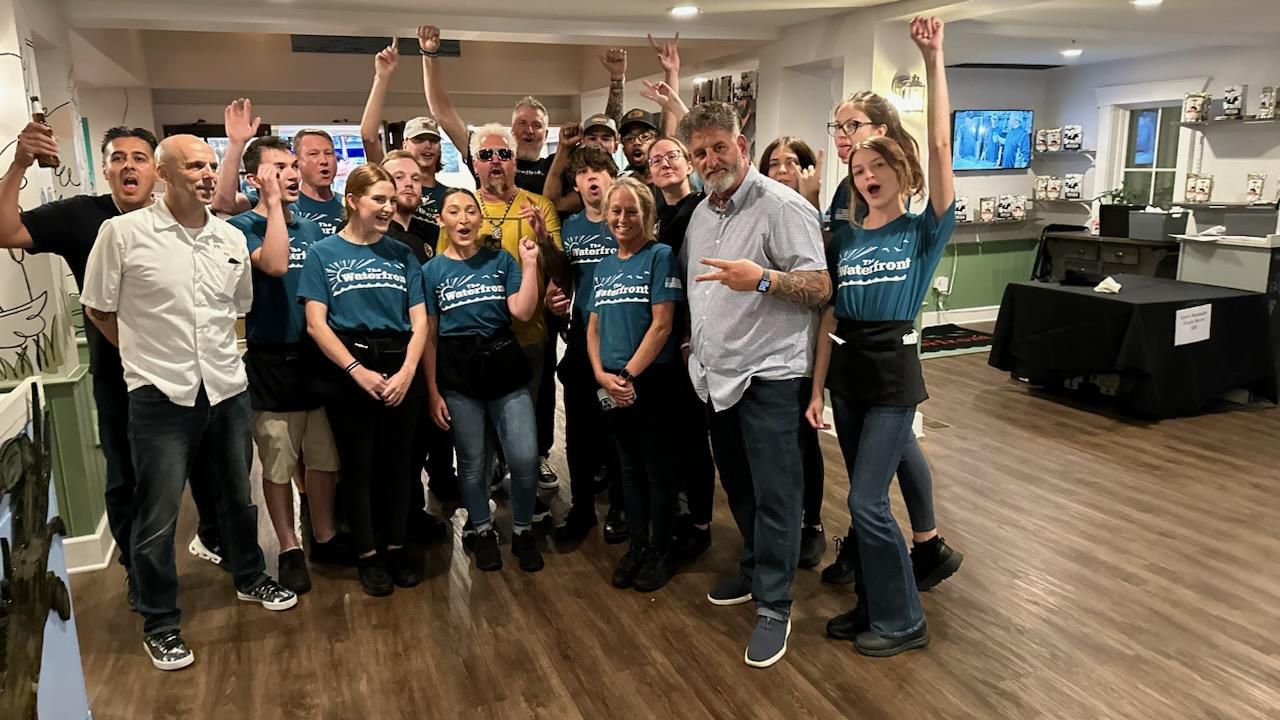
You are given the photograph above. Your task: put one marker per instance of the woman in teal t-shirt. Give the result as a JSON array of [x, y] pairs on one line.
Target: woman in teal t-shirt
[[881, 265], [477, 373], [363, 296], [636, 361]]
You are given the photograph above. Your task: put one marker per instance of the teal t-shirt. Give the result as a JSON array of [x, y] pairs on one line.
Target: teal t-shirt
[[623, 297], [470, 296], [586, 243], [276, 315], [327, 214], [367, 287], [883, 274]]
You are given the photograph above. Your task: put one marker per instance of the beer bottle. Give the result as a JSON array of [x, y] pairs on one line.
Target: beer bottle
[[37, 115]]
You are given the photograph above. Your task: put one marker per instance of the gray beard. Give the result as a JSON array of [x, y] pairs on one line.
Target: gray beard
[[497, 186], [528, 155], [723, 181]]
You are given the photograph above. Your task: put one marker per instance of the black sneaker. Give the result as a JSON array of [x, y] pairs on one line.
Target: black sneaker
[[304, 515], [541, 510], [293, 571], [338, 550], [547, 478], [813, 544], [849, 625], [615, 527], [845, 569], [488, 555], [656, 571], [691, 541], [168, 651], [624, 574], [405, 570], [374, 577], [933, 561], [577, 525], [525, 547], [270, 594], [869, 643], [130, 595], [424, 527]]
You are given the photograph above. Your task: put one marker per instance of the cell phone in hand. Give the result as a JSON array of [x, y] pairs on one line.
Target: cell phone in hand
[[606, 400]]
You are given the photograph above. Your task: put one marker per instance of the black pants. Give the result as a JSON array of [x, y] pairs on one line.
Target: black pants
[[814, 472], [644, 435], [588, 445], [432, 451], [692, 446], [111, 396], [545, 408], [374, 447]]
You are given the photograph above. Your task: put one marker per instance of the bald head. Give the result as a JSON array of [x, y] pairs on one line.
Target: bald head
[[188, 167]]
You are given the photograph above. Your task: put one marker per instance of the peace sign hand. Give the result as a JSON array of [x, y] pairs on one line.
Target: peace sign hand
[[741, 275]]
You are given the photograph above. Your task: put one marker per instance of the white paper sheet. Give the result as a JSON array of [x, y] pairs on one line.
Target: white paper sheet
[[1191, 325]]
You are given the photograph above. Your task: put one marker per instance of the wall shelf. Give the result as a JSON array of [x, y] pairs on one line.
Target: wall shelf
[[1062, 201], [1222, 122], [980, 223], [1064, 153]]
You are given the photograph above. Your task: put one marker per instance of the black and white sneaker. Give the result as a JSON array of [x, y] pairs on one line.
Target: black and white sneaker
[[541, 510], [168, 651], [270, 594], [547, 478], [213, 554]]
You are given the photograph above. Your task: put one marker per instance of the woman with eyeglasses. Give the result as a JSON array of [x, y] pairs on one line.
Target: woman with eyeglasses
[[669, 169], [863, 116]]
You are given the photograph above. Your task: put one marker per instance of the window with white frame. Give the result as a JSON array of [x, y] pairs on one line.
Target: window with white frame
[[1151, 154]]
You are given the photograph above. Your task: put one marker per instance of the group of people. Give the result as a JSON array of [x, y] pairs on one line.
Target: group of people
[[403, 324]]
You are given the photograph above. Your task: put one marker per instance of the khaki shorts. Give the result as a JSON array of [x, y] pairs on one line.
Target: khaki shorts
[[282, 436]]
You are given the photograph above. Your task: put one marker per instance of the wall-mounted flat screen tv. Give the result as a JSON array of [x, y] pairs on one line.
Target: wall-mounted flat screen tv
[[991, 139]]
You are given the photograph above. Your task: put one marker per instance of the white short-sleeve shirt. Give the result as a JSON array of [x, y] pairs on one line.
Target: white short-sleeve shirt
[[176, 293]]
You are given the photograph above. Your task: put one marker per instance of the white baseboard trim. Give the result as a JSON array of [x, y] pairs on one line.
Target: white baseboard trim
[[987, 313], [86, 553]]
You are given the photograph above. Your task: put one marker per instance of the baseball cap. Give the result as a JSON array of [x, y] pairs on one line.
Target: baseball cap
[[637, 116], [421, 126], [600, 120]]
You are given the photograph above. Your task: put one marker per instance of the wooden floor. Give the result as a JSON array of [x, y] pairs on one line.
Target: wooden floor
[[1113, 570]]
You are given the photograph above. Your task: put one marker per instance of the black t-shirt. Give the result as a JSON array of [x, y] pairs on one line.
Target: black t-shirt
[[421, 236], [531, 175], [673, 220], [69, 228]]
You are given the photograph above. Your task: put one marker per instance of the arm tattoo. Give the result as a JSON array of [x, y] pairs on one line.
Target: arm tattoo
[[613, 108], [811, 288]]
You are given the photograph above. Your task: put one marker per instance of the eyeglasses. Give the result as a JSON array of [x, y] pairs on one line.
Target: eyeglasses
[[486, 154], [668, 158], [848, 127], [645, 136]]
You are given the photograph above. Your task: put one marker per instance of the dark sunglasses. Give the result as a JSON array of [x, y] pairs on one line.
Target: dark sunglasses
[[486, 154]]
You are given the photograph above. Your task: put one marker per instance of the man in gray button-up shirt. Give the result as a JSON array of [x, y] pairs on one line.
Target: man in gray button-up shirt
[[756, 271]]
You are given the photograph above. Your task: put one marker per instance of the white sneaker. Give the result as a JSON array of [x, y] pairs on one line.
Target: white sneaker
[[198, 548]]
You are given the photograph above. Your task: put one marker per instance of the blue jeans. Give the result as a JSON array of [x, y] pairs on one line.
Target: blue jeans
[[756, 444], [873, 440], [513, 417], [915, 481], [168, 442]]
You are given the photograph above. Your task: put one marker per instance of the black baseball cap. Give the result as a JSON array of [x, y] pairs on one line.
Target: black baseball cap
[[637, 116]]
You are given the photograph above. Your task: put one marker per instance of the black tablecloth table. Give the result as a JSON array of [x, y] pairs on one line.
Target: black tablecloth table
[[1049, 333]]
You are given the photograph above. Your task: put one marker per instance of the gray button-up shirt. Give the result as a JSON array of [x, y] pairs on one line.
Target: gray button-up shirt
[[739, 336]]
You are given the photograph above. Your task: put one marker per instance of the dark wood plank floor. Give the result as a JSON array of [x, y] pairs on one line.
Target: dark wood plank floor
[[1114, 570]]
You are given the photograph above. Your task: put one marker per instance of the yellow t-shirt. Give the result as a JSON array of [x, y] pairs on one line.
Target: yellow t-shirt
[[497, 214]]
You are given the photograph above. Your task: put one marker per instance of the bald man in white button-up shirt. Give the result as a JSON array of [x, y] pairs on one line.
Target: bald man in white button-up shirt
[[167, 283]]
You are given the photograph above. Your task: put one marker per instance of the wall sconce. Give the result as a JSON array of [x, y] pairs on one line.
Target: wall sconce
[[908, 93]]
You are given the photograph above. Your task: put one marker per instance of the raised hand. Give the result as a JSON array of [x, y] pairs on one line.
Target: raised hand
[[384, 63], [570, 135], [239, 121], [615, 61], [668, 54], [528, 252], [926, 33], [810, 181], [35, 139], [429, 38], [741, 275], [532, 214], [663, 95], [269, 183]]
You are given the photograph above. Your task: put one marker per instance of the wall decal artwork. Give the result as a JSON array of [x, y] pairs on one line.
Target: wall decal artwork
[[29, 322]]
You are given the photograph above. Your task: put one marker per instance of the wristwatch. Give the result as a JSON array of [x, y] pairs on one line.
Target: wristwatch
[[766, 281], [626, 376]]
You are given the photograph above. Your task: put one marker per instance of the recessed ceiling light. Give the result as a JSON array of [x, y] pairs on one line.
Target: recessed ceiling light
[[684, 11], [1072, 53], [1146, 3]]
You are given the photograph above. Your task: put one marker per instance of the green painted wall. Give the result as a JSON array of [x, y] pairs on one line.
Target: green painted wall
[[981, 272]]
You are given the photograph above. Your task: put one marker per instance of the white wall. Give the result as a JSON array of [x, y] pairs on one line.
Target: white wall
[[1229, 153], [106, 108]]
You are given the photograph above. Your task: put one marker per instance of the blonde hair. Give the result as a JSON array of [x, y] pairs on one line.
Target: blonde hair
[[644, 198], [358, 184], [491, 130]]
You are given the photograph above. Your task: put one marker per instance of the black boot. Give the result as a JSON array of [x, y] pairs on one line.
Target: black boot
[[845, 569], [933, 561]]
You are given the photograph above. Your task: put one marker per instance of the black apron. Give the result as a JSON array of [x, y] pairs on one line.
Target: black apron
[[278, 377], [480, 367], [382, 351], [878, 364]]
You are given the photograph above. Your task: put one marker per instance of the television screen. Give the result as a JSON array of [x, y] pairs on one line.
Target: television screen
[[991, 139]]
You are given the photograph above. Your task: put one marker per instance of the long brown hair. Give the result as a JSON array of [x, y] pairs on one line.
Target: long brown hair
[[882, 112], [358, 184], [897, 160], [803, 152]]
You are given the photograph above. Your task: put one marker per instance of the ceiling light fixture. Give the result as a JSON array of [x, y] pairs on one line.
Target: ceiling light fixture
[[1146, 3], [1072, 53], [684, 11]]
